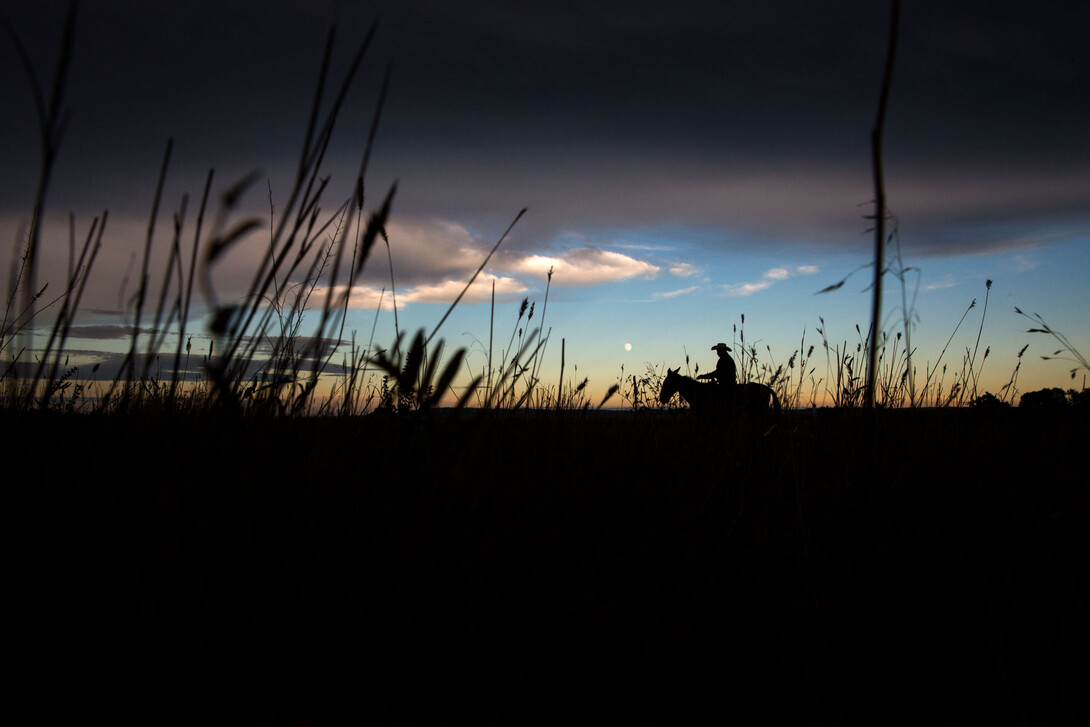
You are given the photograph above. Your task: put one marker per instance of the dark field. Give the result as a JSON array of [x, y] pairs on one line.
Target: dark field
[[846, 564]]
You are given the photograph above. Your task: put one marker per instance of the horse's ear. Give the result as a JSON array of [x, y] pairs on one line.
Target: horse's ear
[[674, 371]]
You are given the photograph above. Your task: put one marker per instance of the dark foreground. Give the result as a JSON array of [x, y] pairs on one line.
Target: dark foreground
[[929, 564]]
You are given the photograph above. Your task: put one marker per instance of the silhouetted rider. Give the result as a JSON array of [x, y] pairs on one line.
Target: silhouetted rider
[[725, 373]]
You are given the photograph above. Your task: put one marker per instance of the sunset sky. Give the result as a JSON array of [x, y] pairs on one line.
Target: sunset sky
[[682, 164]]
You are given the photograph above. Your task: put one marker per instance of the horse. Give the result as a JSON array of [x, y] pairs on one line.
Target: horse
[[752, 399]]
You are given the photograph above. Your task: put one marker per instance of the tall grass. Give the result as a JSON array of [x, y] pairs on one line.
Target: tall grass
[[281, 347], [799, 381], [260, 360]]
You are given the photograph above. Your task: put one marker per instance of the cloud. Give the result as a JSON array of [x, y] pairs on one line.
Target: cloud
[[675, 293], [772, 276], [366, 297], [434, 258], [424, 249], [991, 233], [947, 281], [644, 247], [1024, 263], [104, 333], [586, 266], [102, 367], [741, 290], [444, 291], [683, 270], [448, 290]]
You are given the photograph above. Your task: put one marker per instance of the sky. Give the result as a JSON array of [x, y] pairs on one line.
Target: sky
[[681, 166]]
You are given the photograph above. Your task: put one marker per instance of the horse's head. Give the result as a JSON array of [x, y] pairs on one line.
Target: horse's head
[[669, 385]]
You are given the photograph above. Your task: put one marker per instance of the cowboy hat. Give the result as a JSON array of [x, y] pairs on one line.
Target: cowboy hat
[[718, 346]]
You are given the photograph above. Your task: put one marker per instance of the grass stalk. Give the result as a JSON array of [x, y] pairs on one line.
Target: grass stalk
[[880, 202]]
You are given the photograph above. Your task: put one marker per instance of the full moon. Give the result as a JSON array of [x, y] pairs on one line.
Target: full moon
[[628, 347]]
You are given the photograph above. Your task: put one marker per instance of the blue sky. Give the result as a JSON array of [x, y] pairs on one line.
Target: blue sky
[[679, 169]]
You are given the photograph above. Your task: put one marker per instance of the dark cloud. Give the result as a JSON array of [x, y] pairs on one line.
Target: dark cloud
[[750, 117], [106, 332], [84, 365]]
